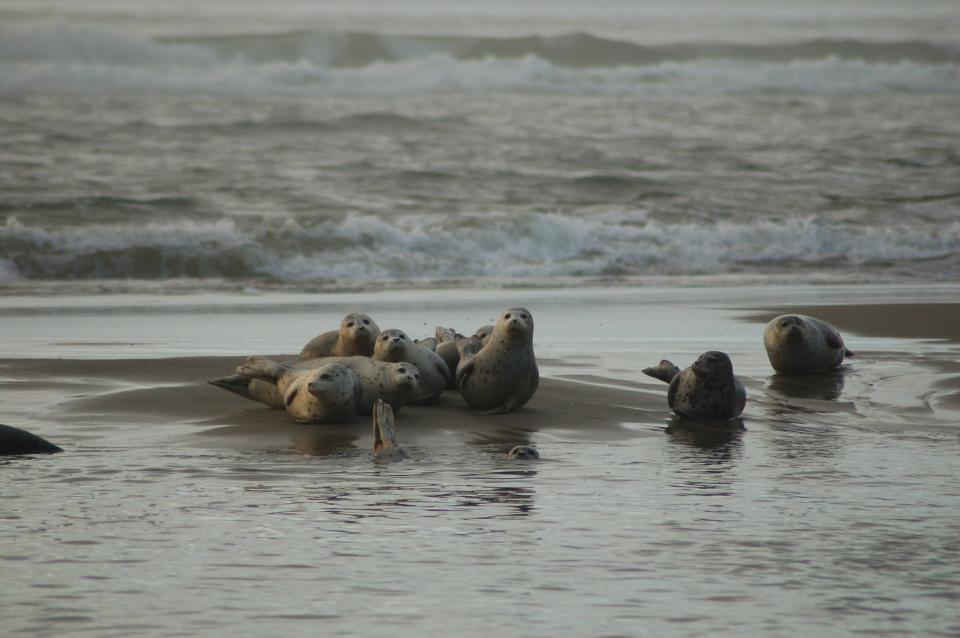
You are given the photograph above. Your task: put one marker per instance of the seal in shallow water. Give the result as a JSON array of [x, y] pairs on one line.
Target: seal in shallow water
[[798, 344], [327, 394], [708, 389], [500, 374], [395, 346], [15, 441], [356, 336], [523, 453]]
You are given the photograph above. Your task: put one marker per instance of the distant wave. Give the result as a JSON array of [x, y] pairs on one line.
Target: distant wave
[[361, 249], [90, 59]]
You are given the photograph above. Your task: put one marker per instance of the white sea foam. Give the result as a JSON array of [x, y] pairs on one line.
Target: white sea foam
[[94, 60], [365, 248]]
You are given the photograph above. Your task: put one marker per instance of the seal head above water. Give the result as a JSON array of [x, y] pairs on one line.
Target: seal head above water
[[707, 390], [798, 344]]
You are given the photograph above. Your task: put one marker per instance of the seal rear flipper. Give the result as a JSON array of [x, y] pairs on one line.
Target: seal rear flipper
[[236, 383], [262, 368], [665, 372]]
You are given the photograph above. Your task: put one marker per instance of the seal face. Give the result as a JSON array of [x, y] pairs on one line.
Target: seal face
[[523, 453], [396, 347], [500, 374], [798, 344], [328, 394], [708, 389], [356, 336]]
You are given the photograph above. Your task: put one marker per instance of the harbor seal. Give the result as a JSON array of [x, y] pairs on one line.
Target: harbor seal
[[356, 336], [14, 441], [447, 343], [385, 444], [326, 394], [523, 453], [395, 346], [500, 374], [708, 389], [798, 344], [395, 383]]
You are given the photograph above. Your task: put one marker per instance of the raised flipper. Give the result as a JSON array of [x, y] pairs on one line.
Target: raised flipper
[[666, 371], [262, 368]]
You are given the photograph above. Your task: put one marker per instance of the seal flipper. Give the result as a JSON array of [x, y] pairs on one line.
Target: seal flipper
[[666, 371], [236, 383], [262, 368]]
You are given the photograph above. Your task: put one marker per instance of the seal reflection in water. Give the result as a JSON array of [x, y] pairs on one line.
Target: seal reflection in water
[[500, 374], [707, 390], [798, 344], [385, 444]]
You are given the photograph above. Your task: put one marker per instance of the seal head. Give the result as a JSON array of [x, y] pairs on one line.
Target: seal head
[[523, 453]]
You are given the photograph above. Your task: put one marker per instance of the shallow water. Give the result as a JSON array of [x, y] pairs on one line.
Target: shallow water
[[834, 511]]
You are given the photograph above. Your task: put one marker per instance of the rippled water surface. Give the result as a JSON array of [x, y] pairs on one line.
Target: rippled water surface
[[834, 511]]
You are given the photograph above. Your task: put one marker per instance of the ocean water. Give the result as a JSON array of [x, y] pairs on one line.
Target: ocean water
[[223, 145]]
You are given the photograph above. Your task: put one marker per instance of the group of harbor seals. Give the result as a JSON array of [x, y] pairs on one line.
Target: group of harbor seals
[[708, 389]]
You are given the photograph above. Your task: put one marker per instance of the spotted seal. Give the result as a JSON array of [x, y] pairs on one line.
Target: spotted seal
[[385, 444], [708, 389], [395, 383], [798, 344], [14, 441], [327, 394], [500, 374], [395, 346], [356, 336]]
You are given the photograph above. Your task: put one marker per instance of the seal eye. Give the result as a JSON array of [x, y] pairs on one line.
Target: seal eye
[[350, 325], [523, 316], [506, 316], [384, 337], [403, 369], [366, 322], [325, 377], [416, 376]]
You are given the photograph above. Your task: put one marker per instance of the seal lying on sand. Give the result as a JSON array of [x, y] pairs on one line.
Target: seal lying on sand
[[385, 444], [356, 336], [395, 383], [798, 344], [327, 394], [500, 375], [15, 441], [396, 347], [706, 390]]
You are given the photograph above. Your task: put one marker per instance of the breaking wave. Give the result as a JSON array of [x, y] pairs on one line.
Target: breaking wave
[[362, 249], [90, 59]]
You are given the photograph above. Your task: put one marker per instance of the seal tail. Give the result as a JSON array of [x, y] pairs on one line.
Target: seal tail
[[236, 383], [666, 371]]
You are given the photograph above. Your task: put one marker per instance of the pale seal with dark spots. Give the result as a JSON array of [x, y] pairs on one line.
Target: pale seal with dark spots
[[327, 394], [708, 389], [395, 383], [396, 347], [500, 374], [798, 344], [355, 337]]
